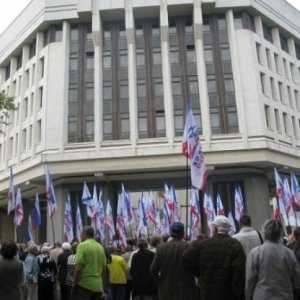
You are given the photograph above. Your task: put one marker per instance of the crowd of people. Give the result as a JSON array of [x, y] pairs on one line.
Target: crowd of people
[[250, 265]]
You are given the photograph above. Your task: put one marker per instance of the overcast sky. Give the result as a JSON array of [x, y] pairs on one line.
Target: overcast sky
[[11, 8]]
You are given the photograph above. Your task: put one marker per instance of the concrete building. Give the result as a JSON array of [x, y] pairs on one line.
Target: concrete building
[[101, 89]]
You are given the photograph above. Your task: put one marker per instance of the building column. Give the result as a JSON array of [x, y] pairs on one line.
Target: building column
[[166, 71], [132, 82], [65, 106], [201, 70], [292, 47], [259, 26], [239, 97], [58, 219], [98, 77]]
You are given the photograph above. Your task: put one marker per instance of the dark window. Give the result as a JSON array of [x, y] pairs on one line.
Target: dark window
[[268, 33], [53, 34], [7, 71], [184, 71], [115, 82], [297, 46], [32, 49], [19, 61], [221, 91], [284, 42], [81, 85], [244, 20], [151, 114]]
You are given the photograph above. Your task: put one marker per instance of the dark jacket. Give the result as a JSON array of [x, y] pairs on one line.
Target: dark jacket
[[11, 279], [142, 281], [220, 265], [174, 283], [62, 264]]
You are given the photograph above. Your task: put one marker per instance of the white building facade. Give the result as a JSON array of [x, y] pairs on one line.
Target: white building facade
[[101, 89]]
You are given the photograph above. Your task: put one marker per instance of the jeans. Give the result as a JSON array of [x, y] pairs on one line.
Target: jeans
[[118, 291], [80, 293]]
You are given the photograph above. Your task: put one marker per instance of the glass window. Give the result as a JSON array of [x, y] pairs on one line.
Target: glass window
[[89, 61], [258, 53], [284, 42], [268, 117], [277, 119], [156, 58], [140, 59], [107, 62], [123, 60], [267, 30], [263, 82], [297, 48]]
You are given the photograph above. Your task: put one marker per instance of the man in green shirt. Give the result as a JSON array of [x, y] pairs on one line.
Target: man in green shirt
[[90, 262]]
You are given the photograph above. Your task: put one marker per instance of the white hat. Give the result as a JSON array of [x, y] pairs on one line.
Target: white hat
[[66, 246], [222, 224]]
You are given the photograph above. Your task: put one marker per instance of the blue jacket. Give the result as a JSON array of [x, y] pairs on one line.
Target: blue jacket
[[31, 269]]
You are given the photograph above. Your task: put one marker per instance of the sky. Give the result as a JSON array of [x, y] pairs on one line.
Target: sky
[[10, 9]]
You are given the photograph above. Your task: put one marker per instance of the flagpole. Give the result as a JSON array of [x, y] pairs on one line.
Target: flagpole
[[53, 230], [187, 194]]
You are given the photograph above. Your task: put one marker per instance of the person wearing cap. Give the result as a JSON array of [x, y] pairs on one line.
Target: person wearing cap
[[272, 270], [218, 263], [143, 286], [62, 265], [174, 282]]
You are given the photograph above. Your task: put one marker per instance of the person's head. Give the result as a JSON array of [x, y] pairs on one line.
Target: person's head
[[273, 230], [165, 238], [155, 241], [142, 244], [66, 247], [245, 221], [45, 250], [32, 249], [57, 245], [221, 225], [177, 230], [87, 233], [9, 250], [297, 234]]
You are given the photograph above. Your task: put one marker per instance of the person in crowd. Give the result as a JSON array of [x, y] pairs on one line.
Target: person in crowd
[[118, 270], [69, 283], [218, 263], [11, 273], [22, 251], [167, 268], [62, 265], [296, 244], [47, 275], [31, 270], [272, 270], [155, 241], [105, 276], [127, 256], [248, 236], [143, 286], [90, 263], [56, 251]]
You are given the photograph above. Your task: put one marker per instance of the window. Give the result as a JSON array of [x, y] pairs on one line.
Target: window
[[263, 82], [280, 90], [268, 117], [295, 131], [10, 148], [284, 42], [41, 96], [292, 68], [258, 53], [244, 21], [26, 80], [31, 103], [7, 71], [268, 55], [285, 123], [30, 137], [273, 88], [297, 99], [290, 97], [276, 60], [285, 66], [267, 30], [33, 75], [25, 108], [19, 61], [297, 46], [42, 67], [24, 140], [39, 132], [32, 49], [277, 120], [53, 34]]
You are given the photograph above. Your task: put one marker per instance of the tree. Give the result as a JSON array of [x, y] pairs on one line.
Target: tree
[[6, 105]]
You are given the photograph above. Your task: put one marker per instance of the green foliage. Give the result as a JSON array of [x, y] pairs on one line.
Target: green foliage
[[6, 103]]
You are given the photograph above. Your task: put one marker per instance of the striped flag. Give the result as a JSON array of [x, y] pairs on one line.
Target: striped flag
[[238, 203], [177, 208], [220, 208], [151, 208], [279, 184], [195, 214], [169, 203], [50, 193], [165, 227], [128, 211], [98, 221], [142, 216], [79, 226], [37, 220], [109, 221], [120, 222], [19, 213], [295, 189], [199, 172], [11, 193], [158, 229], [232, 223], [88, 200], [209, 211], [68, 222]]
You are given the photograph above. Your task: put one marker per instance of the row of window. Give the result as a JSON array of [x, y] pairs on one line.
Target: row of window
[[273, 63], [26, 140], [285, 125], [278, 91], [247, 21]]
